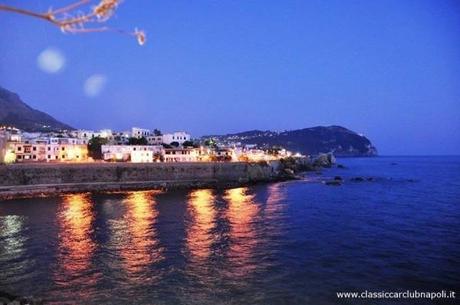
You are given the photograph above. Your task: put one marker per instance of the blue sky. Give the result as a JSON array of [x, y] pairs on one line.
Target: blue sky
[[387, 69]]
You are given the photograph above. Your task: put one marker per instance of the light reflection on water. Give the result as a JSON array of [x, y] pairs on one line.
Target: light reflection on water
[[140, 236], [293, 242], [13, 250], [76, 244], [10, 233], [220, 241], [76, 248], [133, 237], [199, 235], [242, 209]]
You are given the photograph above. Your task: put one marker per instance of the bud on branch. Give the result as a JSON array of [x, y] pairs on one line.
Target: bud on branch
[[71, 19]]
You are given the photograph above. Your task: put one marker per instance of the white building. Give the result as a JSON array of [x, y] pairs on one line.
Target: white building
[[29, 152], [8, 137], [181, 154], [56, 140], [133, 153], [155, 140], [85, 135], [120, 138], [142, 156], [140, 132], [178, 136]]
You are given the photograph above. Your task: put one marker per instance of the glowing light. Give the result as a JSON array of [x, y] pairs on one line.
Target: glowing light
[[76, 245], [94, 85], [142, 241], [51, 60], [10, 156], [11, 227], [241, 211], [199, 235]]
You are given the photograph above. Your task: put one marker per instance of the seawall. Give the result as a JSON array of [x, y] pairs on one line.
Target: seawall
[[31, 180]]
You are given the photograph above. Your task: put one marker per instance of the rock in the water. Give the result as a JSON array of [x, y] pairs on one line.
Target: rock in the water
[[333, 182], [357, 179], [324, 160], [9, 299], [338, 178]]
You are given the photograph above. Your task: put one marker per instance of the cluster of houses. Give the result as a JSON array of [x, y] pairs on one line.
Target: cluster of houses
[[17, 146]]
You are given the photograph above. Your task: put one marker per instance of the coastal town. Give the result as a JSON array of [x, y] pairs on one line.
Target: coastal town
[[138, 145]]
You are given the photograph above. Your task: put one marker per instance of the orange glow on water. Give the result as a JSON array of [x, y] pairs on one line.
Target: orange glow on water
[[241, 213], [140, 248], [75, 229], [199, 236]]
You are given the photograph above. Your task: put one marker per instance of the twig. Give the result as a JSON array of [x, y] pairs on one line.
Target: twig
[[68, 21]]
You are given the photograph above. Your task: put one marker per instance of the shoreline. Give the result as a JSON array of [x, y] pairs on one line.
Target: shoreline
[[54, 190], [45, 180]]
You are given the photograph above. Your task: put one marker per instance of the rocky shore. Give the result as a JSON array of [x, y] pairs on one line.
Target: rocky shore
[[9, 299], [39, 180]]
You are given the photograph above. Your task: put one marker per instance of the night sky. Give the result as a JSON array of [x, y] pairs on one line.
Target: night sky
[[387, 69]]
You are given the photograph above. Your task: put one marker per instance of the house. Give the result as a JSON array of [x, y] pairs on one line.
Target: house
[[133, 153], [140, 132], [84, 135], [222, 154], [178, 136], [39, 152], [66, 152], [119, 138], [181, 154], [141, 156], [154, 140], [57, 140]]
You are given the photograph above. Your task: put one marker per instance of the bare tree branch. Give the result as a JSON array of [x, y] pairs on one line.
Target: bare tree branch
[[69, 20]]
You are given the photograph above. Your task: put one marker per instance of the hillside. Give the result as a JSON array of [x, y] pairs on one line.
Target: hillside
[[14, 112], [337, 139]]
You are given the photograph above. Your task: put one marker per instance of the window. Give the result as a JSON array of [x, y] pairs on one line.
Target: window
[[49, 156], [63, 156], [34, 157], [49, 148], [19, 148], [63, 148], [34, 148]]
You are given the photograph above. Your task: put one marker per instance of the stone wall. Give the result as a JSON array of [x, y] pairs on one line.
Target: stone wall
[[18, 180]]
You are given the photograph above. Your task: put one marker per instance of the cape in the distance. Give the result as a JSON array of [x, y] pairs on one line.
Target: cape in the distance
[[339, 140]]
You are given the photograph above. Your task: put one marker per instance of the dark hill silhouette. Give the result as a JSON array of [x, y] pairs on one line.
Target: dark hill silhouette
[[14, 112], [339, 140]]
